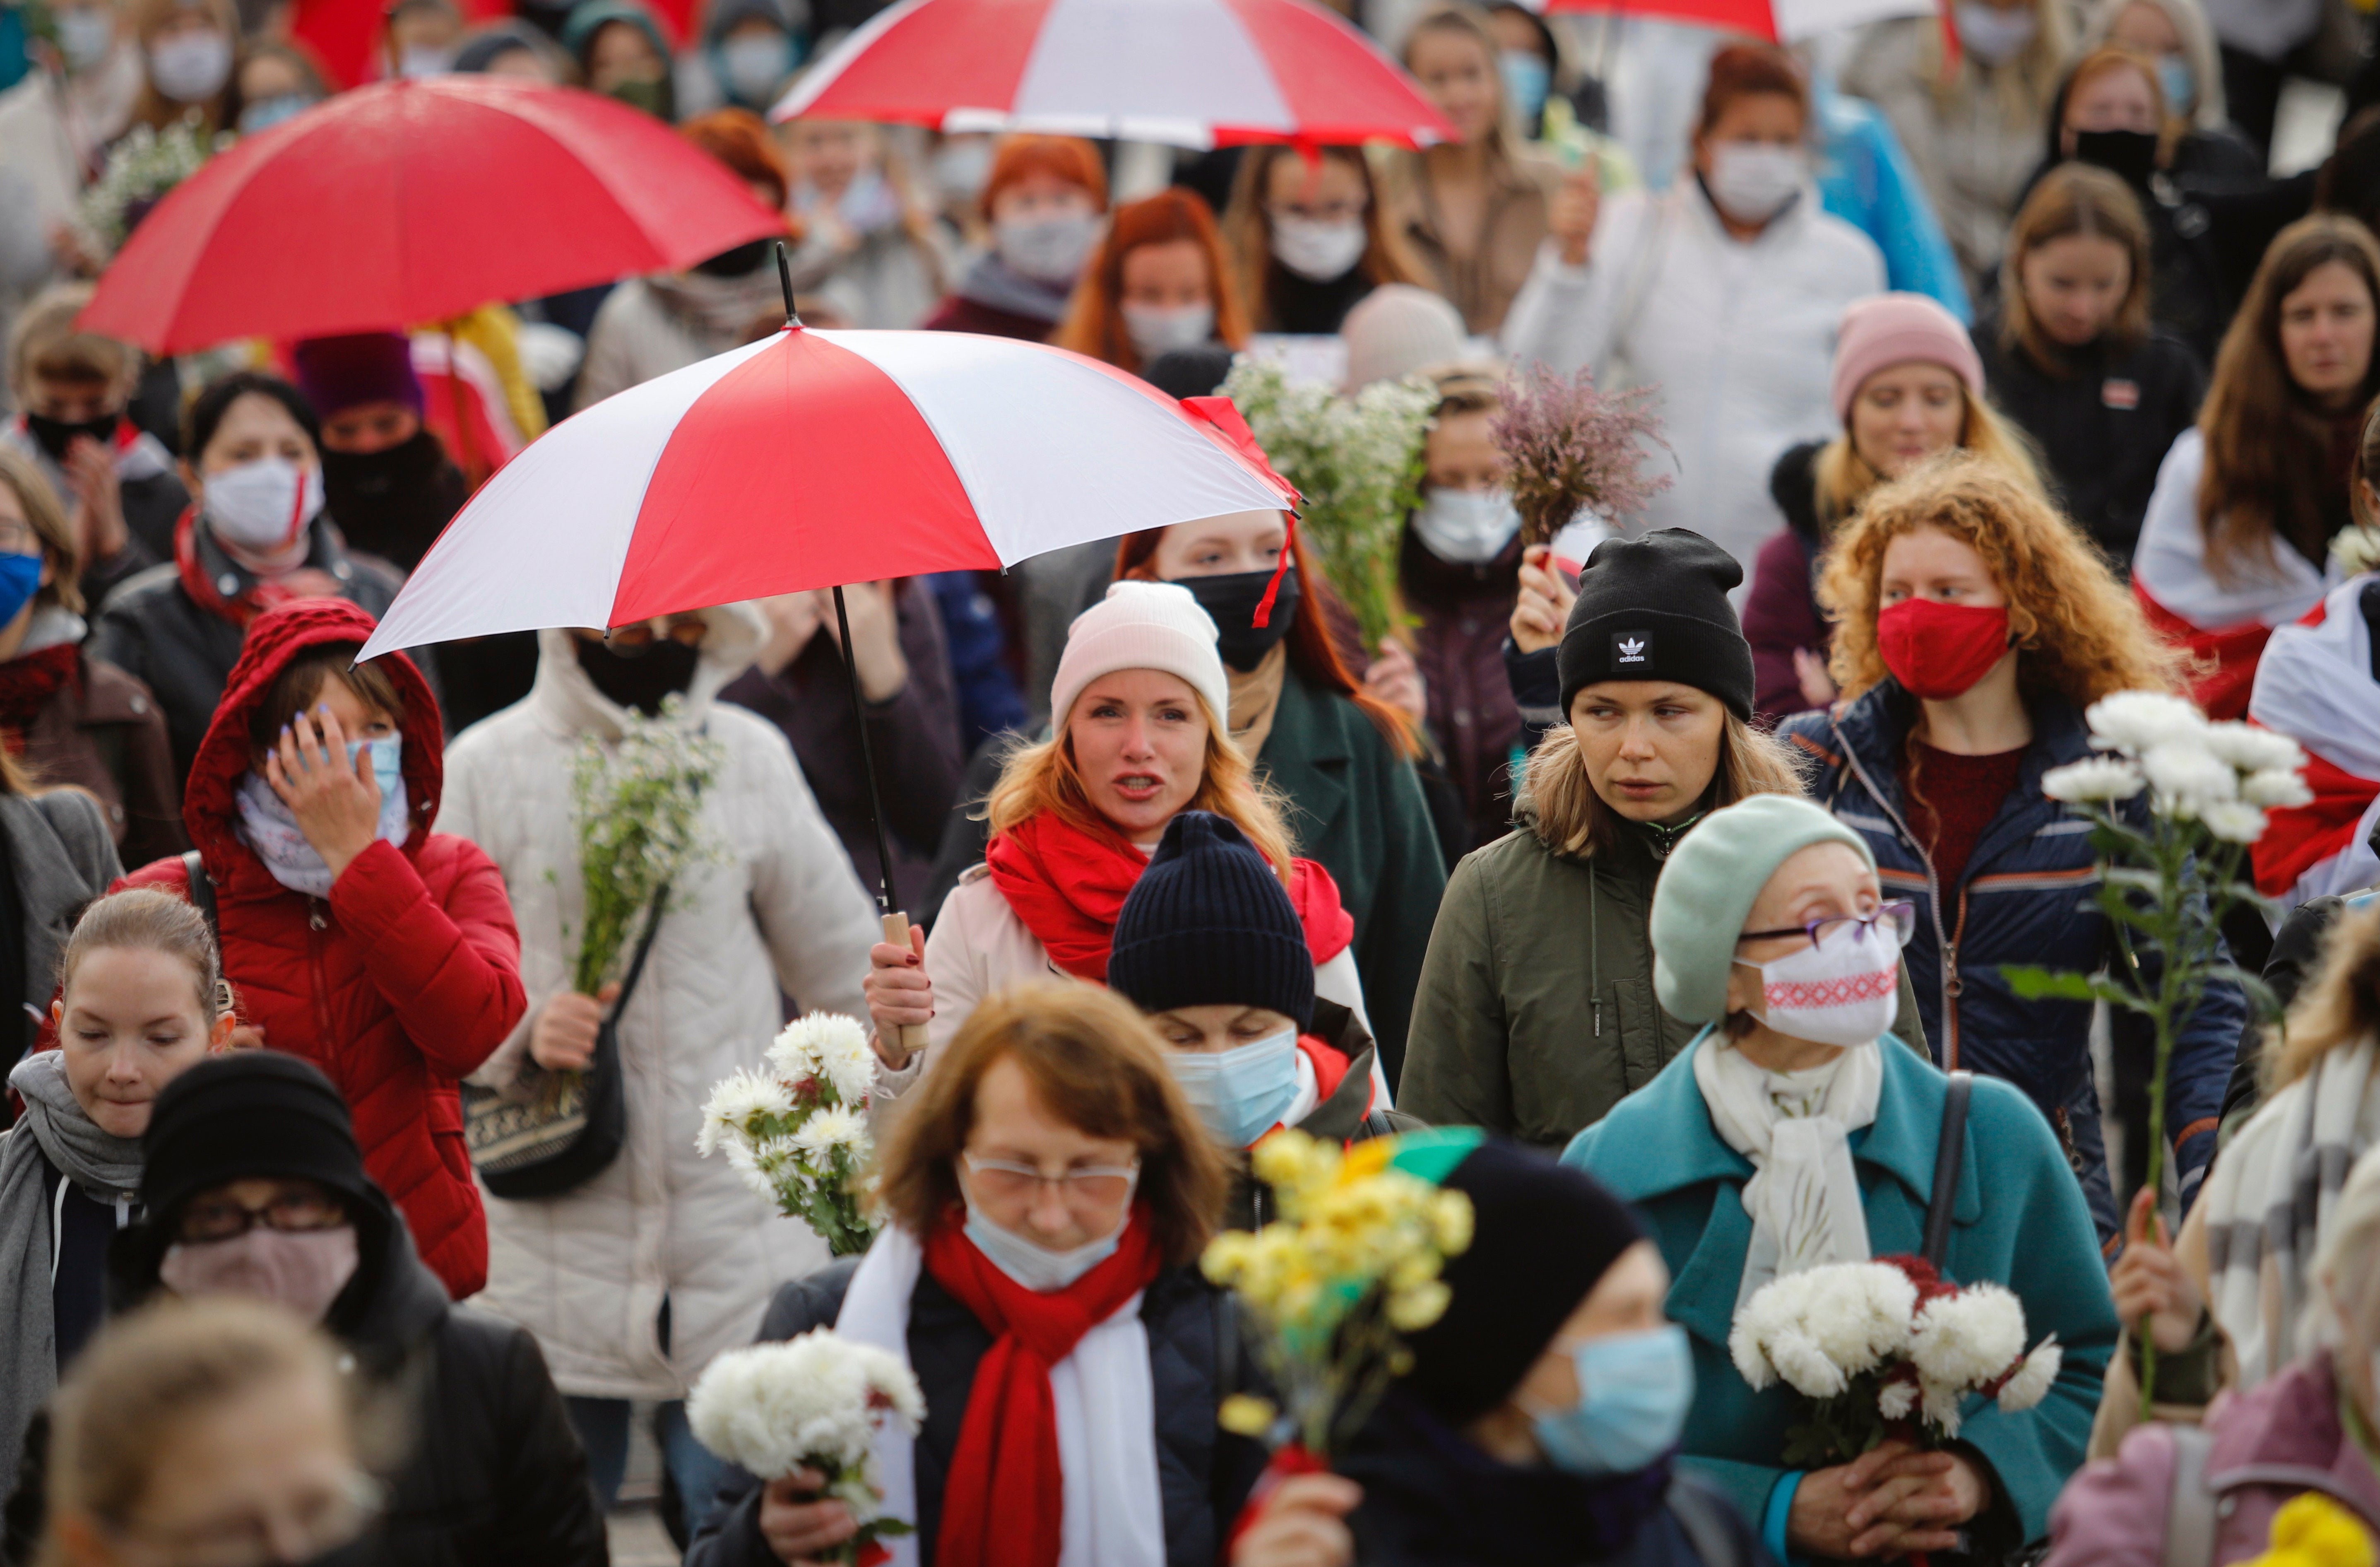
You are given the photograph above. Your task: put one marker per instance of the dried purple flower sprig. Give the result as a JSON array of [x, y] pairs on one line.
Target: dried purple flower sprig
[[1571, 447]]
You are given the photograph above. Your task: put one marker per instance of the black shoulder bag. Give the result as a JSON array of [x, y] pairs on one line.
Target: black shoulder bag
[[555, 1131], [1948, 1155]]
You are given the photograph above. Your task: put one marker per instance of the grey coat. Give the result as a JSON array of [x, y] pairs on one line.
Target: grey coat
[[63, 856]]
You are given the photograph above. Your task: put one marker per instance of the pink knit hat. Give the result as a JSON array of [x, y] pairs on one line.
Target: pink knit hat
[[1884, 330]]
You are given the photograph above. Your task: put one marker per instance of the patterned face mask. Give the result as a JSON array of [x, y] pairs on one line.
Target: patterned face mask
[[1840, 990]]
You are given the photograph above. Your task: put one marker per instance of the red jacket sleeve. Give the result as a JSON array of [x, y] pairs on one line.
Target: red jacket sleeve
[[451, 972]]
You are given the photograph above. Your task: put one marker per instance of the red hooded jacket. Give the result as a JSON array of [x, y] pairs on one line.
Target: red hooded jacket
[[401, 982]]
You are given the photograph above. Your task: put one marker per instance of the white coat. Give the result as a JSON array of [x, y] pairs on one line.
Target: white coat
[[586, 1273], [1738, 337]]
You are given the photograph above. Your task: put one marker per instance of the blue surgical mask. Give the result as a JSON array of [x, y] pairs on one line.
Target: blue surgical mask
[[20, 578], [1633, 1392], [1240, 1094], [1034, 1266], [1527, 81], [2180, 84], [266, 112], [388, 761]]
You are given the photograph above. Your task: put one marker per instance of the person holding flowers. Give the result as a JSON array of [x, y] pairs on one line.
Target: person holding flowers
[[1973, 627], [634, 1279], [1538, 1423], [1141, 701], [1795, 1132], [1048, 1190], [1515, 1028]]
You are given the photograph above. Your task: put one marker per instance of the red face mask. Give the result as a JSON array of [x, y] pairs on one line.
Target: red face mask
[[1938, 651]]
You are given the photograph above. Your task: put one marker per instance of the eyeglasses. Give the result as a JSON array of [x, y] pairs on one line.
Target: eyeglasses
[[1896, 920], [291, 1213], [306, 1526], [1090, 1190]]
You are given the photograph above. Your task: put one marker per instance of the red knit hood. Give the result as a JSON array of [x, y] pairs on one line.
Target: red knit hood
[[274, 638]]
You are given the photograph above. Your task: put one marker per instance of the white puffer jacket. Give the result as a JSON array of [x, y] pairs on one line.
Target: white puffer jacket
[[586, 1273]]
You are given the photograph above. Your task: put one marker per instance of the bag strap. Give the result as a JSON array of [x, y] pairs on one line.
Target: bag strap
[[644, 949], [203, 893], [1700, 1520], [2190, 1507], [1950, 1154]]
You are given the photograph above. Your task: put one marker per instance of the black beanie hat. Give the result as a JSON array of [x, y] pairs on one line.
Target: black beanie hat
[[1208, 923], [1615, 631], [1543, 1236], [248, 1113]]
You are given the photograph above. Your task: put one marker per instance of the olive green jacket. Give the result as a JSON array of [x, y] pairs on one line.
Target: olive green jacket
[[1535, 1013]]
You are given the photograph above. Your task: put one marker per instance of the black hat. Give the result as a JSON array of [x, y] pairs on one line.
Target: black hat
[[1543, 1236], [1189, 372], [1209, 923], [248, 1113], [1656, 609]]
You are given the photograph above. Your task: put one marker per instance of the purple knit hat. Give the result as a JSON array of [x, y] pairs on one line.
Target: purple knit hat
[[337, 373]]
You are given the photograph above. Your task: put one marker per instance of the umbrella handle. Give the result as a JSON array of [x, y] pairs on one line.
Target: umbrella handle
[[896, 934]]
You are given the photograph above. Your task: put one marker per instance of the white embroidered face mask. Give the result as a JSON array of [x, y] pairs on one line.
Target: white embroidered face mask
[[1842, 989]]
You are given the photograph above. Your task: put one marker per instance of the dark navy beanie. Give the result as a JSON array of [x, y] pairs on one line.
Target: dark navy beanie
[[1209, 924]]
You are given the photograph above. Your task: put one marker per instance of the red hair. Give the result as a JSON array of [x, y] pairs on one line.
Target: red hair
[[1069, 158], [740, 139], [1094, 324], [1746, 70], [1311, 651]]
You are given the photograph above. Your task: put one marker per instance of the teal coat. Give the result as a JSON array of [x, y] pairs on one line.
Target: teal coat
[[1357, 806], [1657, 1149]]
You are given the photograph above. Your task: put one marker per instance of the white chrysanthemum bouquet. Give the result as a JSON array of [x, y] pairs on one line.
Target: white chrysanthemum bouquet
[[1886, 1350], [812, 1403], [796, 1127], [2167, 879]]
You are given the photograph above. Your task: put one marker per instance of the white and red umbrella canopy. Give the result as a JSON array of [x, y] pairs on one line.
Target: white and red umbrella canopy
[[1191, 73], [1784, 21], [811, 459]]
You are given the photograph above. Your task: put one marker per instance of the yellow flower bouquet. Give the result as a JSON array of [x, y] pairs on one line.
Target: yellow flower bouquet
[[1350, 1267]]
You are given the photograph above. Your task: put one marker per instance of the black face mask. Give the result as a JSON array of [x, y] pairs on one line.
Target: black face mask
[[1231, 602], [354, 482], [737, 262], [56, 434], [2130, 156], [640, 678]]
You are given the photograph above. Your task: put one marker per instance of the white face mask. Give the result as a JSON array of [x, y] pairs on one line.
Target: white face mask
[[1049, 251], [1316, 249], [190, 67], [1032, 1264], [85, 35], [1841, 992], [420, 61], [265, 504], [1157, 330], [1751, 181], [1993, 35], [755, 63], [961, 167], [1467, 527]]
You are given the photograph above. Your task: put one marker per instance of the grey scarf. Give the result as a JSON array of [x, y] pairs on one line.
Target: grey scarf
[[990, 282], [106, 1168]]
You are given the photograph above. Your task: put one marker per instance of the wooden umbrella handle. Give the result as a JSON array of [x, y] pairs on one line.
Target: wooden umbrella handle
[[896, 934]]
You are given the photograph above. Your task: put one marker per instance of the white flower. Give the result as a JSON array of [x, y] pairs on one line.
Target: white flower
[[2233, 821], [830, 1046], [2251, 749], [813, 1401], [1818, 1328], [739, 1097], [2276, 788], [1942, 1408], [1966, 1340], [2187, 774], [2095, 778], [2133, 721], [1897, 1400], [2031, 1384], [827, 1130]]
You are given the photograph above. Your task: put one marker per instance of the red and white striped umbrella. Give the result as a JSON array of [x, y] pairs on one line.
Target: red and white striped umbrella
[[811, 459], [1193, 73]]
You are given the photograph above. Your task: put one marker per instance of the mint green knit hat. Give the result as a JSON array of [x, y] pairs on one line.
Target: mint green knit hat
[[1707, 888]]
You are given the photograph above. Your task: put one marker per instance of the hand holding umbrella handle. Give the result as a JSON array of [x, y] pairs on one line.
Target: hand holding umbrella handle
[[896, 933]]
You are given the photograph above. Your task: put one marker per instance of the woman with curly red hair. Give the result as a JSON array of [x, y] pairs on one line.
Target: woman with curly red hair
[[1973, 627], [1159, 282]]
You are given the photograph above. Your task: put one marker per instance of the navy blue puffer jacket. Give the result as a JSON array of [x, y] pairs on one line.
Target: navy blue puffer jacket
[[2026, 897]]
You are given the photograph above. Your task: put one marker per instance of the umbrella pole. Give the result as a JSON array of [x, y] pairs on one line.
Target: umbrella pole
[[895, 923]]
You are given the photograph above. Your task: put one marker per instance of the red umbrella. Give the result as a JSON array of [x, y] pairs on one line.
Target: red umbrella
[[1195, 73], [409, 201], [1778, 20]]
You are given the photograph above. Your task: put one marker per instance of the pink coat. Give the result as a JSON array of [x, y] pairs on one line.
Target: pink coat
[[2114, 1511]]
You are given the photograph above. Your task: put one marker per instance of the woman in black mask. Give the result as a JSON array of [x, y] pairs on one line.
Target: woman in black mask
[[1341, 759]]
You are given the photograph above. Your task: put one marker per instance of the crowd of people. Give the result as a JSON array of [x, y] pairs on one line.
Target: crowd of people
[[1656, 888]]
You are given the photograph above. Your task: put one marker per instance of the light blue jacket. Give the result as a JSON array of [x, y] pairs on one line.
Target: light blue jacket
[[1866, 180], [2018, 1221]]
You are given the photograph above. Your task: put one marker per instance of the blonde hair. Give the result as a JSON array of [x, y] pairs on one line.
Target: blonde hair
[[1842, 479], [144, 920], [2078, 632], [1558, 802], [45, 342], [2339, 1006], [1041, 779], [48, 520]]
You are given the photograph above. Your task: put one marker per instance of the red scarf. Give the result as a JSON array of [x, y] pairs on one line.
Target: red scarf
[[201, 588], [2297, 838], [27, 684], [2224, 663], [1068, 884], [1005, 1502]]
